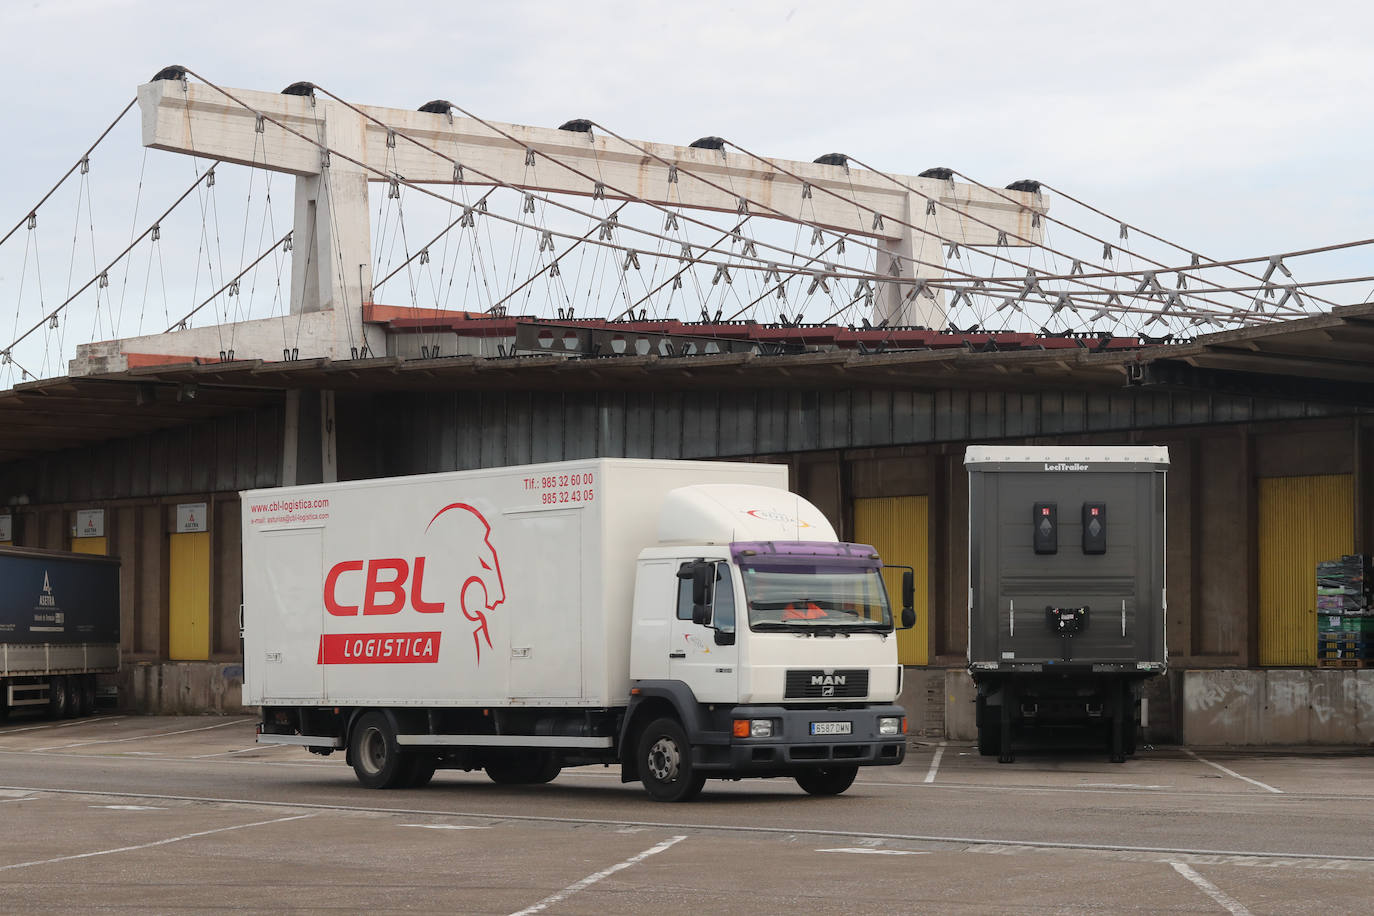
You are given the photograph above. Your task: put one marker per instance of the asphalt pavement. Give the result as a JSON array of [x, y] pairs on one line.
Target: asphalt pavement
[[189, 814]]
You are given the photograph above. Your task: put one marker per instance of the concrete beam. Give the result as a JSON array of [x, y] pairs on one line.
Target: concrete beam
[[200, 120]]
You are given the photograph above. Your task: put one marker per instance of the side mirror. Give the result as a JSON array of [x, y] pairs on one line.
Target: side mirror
[[908, 618], [908, 596], [703, 576]]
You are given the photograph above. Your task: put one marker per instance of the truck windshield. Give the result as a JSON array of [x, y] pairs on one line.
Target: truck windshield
[[816, 596]]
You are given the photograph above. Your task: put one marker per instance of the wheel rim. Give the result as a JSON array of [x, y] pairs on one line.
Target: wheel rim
[[665, 761], [373, 750]]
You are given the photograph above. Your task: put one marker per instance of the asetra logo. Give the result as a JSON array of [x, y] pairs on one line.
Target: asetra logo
[[1066, 467]]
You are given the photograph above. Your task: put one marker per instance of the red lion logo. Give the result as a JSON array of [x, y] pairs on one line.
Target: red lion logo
[[457, 523]]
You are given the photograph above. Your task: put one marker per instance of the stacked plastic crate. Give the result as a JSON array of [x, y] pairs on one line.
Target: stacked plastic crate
[[1345, 613]]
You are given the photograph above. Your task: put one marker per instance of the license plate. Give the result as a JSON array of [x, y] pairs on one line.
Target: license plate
[[831, 728]]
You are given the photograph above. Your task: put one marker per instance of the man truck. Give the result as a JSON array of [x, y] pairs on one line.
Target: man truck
[[611, 611], [1066, 591], [59, 629]]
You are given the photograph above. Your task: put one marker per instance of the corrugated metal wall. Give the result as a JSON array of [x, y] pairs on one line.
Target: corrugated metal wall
[[230, 453], [1302, 521], [898, 526], [423, 433]]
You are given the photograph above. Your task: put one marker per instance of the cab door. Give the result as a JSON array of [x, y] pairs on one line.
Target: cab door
[[705, 658]]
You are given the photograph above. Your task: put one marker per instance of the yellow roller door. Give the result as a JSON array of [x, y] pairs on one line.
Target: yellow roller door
[[96, 546], [896, 526], [1302, 521], [189, 597]]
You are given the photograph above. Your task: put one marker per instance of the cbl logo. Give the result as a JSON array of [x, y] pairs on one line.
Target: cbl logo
[[469, 570]]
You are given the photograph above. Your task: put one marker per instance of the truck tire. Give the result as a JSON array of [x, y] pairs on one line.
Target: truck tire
[[377, 758], [57, 697], [826, 780], [665, 763], [524, 769], [419, 770]]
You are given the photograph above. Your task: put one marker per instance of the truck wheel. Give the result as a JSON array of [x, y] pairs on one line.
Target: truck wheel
[[523, 769], [419, 770], [57, 697], [377, 759], [665, 763], [826, 780]]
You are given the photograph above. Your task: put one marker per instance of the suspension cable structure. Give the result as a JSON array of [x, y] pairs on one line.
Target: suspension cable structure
[[1018, 280]]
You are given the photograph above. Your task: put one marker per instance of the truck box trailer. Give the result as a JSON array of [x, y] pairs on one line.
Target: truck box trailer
[[1066, 590], [682, 619], [59, 629]]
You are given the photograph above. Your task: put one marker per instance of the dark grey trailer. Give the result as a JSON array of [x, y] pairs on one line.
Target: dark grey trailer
[[59, 629], [1066, 591]]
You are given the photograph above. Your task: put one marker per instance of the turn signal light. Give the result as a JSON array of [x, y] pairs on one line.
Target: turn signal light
[[741, 729]]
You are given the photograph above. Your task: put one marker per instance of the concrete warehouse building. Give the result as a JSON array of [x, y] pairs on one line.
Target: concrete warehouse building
[[1268, 430]]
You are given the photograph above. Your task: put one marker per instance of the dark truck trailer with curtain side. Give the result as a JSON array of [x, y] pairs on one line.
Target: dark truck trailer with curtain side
[[1066, 591], [59, 629]]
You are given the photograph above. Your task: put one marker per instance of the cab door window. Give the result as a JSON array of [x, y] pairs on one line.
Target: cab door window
[[721, 599]]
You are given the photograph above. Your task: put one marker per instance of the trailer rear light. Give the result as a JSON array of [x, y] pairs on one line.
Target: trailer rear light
[[1094, 528]]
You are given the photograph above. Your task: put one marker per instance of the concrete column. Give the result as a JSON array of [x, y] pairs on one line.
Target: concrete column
[[906, 252]]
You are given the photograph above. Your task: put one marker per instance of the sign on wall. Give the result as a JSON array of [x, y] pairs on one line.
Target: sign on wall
[[191, 518], [90, 523]]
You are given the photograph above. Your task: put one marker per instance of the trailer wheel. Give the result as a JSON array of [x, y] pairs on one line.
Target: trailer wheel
[[826, 780], [665, 763], [989, 731], [524, 769], [57, 697], [73, 695], [377, 759], [85, 693]]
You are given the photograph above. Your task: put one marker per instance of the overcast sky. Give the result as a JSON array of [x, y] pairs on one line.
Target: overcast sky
[[1234, 129]]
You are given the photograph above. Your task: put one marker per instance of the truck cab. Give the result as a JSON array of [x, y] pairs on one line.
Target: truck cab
[[769, 652]]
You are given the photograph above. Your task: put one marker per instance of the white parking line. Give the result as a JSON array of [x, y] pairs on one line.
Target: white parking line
[[175, 839], [588, 881], [1231, 904], [935, 762], [445, 826], [991, 843], [184, 731], [1253, 782], [242, 750], [33, 728], [869, 851]]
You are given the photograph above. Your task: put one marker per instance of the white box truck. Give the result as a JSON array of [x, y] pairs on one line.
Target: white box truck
[[682, 619]]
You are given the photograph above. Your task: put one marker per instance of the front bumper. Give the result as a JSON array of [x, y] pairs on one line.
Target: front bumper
[[793, 747]]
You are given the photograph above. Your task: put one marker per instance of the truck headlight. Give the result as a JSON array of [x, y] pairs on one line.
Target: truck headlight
[[892, 725], [753, 728]]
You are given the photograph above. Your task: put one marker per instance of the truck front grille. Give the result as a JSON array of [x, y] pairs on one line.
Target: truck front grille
[[814, 683]]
